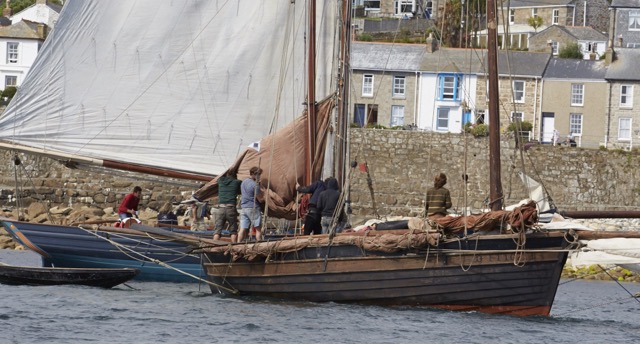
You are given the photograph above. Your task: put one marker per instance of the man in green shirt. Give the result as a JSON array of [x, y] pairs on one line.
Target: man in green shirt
[[226, 212], [438, 198]]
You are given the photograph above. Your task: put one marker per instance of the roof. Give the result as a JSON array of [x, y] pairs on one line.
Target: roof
[[625, 3], [585, 33], [468, 61], [522, 63], [52, 6], [22, 29], [386, 56], [538, 3], [575, 69], [515, 29], [624, 65]]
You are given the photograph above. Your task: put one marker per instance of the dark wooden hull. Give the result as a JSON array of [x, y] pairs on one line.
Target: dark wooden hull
[[26, 275], [73, 247], [488, 275]]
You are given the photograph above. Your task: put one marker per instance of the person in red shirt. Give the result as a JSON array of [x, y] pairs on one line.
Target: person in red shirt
[[129, 205]]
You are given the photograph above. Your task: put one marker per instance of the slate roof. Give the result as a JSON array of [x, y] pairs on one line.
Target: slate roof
[[624, 65], [386, 56], [522, 63], [625, 3], [575, 69], [538, 3], [452, 60], [585, 33], [21, 29]]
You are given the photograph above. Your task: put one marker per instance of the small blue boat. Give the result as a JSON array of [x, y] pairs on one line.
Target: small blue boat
[[157, 257]]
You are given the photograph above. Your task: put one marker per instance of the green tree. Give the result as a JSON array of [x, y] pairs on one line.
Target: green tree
[[570, 51], [19, 5], [535, 22]]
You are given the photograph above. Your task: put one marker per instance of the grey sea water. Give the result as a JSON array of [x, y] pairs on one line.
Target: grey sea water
[[150, 312]]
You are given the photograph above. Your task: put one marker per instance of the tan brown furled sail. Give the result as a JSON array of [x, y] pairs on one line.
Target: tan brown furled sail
[[282, 158], [522, 217]]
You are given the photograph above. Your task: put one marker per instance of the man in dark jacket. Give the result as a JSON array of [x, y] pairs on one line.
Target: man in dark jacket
[[312, 219], [226, 212], [327, 203]]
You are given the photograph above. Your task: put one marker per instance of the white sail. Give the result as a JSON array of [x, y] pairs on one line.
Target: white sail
[[182, 85]]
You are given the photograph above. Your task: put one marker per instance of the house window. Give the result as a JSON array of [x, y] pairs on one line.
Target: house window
[[517, 116], [404, 6], [367, 85], [397, 115], [555, 17], [626, 96], [518, 91], [10, 80], [398, 86], [12, 52], [372, 4], [633, 45], [534, 12], [554, 48], [512, 16], [624, 129], [359, 115], [577, 94], [634, 20], [428, 9], [575, 124], [481, 117], [449, 85], [443, 119]]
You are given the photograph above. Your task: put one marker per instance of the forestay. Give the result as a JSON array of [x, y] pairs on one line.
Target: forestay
[[179, 85]]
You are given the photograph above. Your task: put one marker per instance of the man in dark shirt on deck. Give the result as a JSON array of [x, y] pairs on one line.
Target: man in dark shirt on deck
[[438, 198]]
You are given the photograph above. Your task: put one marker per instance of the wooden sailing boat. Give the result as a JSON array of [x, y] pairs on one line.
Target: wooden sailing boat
[[514, 271], [177, 89]]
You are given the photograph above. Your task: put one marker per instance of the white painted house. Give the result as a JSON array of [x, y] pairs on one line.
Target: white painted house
[[19, 46], [40, 12]]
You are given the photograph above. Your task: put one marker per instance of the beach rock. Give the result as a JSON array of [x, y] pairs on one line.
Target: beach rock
[[36, 209]]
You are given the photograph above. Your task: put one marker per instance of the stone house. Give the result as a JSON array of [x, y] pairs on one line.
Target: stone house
[[383, 83], [593, 44], [520, 87], [572, 102], [624, 29], [400, 8], [42, 11], [623, 76], [515, 33]]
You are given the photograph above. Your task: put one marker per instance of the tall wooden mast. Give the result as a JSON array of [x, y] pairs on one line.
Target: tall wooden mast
[[495, 184], [311, 93]]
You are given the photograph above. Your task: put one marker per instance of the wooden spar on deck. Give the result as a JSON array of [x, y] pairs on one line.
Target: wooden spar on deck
[[601, 214], [592, 235], [495, 184]]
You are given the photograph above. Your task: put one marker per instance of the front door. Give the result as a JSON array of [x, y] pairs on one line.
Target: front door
[[548, 124]]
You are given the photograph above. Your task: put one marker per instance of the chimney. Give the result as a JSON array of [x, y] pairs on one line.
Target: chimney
[[6, 12], [42, 30], [432, 43]]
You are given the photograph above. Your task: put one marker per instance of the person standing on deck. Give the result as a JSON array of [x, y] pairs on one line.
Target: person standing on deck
[[312, 218], [129, 205], [250, 214], [438, 198], [327, 203], [226, 212]]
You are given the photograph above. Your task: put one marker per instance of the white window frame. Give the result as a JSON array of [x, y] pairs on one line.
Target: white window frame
[[634, 20], [555, 48], [399, 86], [397, 115], [449, 87], [633, 45], [624, 129], [534, 12], [575, 124], [512, 16], [577, 94], [555, 17], [442, 119], [10, 80], [12, 52], [626, 96], [517, 116], [367, 85], [518, 91]]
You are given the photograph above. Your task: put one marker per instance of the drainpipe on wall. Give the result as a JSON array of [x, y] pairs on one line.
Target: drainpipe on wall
[[573, 20], [415, 100], [535, 106], [606, 135], [584, 20]]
